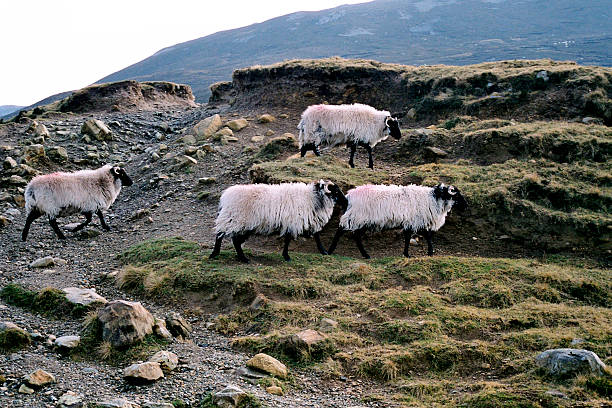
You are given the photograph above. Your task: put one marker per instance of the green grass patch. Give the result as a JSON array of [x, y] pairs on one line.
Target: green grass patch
[[13, 339], [420, 319], [49, 302]]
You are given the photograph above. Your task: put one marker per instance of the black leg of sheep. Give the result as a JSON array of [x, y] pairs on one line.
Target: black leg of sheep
[[358, 234], [286, 248], [320, 246], [82, 225], [353, 148], [334, 243], [56, 228], [217, 247], [429, 238], [238, 240], [102, 222], [407, 236], [34, 214]]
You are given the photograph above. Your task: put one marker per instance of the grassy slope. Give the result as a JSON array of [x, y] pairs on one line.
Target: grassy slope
[[427, 327]]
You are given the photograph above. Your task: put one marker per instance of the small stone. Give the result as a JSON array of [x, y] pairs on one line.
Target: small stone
[[96, 129], [190, 150], [70, 399], [39, 378], [307, 338], [9, 163], [115, 403], [274, 390], [66, 343], [237, 124], [143, 372], [43, 262], [207, 127], [542, 75], [269, 132], [434, 152], [503, 237], [57, 154], [160, 329], [257, 139], [411, 114], [17, 180], [166, 359], [247, 373], [149, 404], [189, 140], [587, 120], [268, 364], [207, 180], [328, 325], [230, 396], [178, 326], [185, 161], [266, 118], [24, 389], [200, 154], [81, 296], [224, 132], [229, 139], [556, 393], [569, 362]]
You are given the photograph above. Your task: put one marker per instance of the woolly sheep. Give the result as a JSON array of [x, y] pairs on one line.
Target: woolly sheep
[[412, 208], [62, 194], [289, 209], [355, 125]]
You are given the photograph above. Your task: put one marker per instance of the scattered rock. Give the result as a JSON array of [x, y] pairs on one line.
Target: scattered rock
[[115, 403], [260, 301], [257, 139], [223, 132], [39, 378], [167, 360], [33, 154], [207, 180], [125, 323], [38, 129], [58, 154], [556, 393], [268, 364], [207, 127], [13, 337], [143, 372], [230, 396], [43, 262], [184, 161], [9, 163], [160, 329], [17, 180], [328, 325], [266, 118], [24, 389], [148, 404], [82, 296], [70, 399], [67, 343], [269, 132], [569, 362], [274, 390], [434, 152], [237, 124], [307, 338], [411, 114], [96, 129], [229, 139], [249, 374], [178, 326], [587, 120], [189, 140], [140, 213]]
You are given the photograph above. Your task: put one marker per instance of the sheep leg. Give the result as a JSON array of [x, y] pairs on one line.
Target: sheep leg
[[34, 214], [238, 240], [370, 159], [315, 150], [357, 235], [102, 222], [334, 242], [56, 228], [320, 246], [407, 236], [353, 148], [304, 149], [84, 223], [429, 238], [286, 248], [217, 247]]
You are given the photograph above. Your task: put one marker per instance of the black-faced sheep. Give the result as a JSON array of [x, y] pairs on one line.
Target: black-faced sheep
[[290, 210], [412, 208], [355, 125], [62, 194]]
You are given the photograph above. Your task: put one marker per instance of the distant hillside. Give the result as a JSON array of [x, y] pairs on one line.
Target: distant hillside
[[6, 109], [456, 32], [46, 101]]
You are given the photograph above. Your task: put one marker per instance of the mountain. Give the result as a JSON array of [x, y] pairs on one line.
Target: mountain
[[6, 109], [49, 99], [410, 32]]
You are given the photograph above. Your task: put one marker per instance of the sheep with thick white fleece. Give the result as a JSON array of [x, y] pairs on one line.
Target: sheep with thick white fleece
[[412, 208], [355, 125], [62, 194], [289, 209]]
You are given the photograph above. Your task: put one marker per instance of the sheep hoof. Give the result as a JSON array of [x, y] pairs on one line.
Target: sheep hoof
[[324, 253], [366, 256], [287, 258], [244, 260]]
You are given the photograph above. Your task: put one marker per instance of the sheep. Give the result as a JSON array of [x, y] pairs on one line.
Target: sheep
[[412, 208], [62, 194], [289, 209], [355, 125]]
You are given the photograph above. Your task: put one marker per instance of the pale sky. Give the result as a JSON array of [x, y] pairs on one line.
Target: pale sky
[[51, 46]]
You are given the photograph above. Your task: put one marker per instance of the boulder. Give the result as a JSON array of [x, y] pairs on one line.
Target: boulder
[[167, 360], [82, 296], [237, 124], [96, 129], [223, 132], [274, 390], [230, 396], [178, 326], [568, 362], [38, 378], [143, 372], [207, 127], [38, 129], [33, 154], [268, 364], [307, 338], [58, 154], [266, 118], [125, 323], [43, 262], [70, 399], [66, 343], [13, 337]]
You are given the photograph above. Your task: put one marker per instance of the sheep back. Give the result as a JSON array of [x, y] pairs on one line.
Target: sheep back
[[290, 208], [338, 124], [61, 194], [380, 207]]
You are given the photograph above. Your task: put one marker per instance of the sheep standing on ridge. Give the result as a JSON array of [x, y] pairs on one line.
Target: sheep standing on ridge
[[412, 208], [289, 209], [62, 194], [355, 125]]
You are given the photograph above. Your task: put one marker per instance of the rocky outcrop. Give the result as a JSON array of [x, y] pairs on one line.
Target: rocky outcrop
[[128, 96], [125, 323]]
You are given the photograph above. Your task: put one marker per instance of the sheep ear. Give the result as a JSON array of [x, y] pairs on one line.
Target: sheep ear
[[452, 190]]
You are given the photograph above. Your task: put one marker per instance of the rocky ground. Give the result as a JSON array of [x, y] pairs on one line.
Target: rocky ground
[[162, 202]]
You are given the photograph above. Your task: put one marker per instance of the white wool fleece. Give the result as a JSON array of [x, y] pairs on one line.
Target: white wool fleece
[[338, 124], [290, 208], [380, 207], [60, 194]]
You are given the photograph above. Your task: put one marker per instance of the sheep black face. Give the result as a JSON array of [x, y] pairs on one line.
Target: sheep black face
[[333, 191], [451, 193], [119, 173], [393, 127]]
